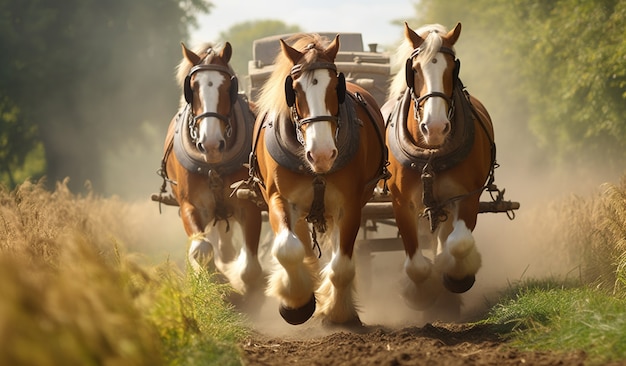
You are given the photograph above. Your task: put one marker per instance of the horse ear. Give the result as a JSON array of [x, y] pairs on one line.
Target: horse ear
[[291, 53], [454, 34], [341, 88], [290, 94], [234, 89], [412, 37], [332, 49], [187, 90], [409, 73], [190, 55], [227, 52]]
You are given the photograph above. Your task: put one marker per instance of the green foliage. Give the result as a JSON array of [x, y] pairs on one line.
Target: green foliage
[[565, 319], [195, 325], [80, 76], [18, 145], [242, 35], [565, 61]]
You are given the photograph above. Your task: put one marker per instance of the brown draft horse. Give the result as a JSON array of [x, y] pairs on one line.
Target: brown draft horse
[[442, 152], [317, 157], [207, 144]]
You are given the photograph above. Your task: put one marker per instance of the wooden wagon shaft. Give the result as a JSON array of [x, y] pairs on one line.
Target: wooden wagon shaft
[[378, 208]]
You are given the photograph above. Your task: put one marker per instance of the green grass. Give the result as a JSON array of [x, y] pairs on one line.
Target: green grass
[[545, 315], [195, 324]]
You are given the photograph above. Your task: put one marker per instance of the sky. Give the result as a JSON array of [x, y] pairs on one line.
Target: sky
[[371, 18]]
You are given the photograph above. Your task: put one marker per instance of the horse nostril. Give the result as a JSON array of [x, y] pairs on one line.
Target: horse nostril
[[309, 157], [221, 145], [423, 128], [200, 147], [333, 154], [446, 129]]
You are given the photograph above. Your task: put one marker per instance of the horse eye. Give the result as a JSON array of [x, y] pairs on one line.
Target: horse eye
[[314, 81], [210, 83], [434, 60]]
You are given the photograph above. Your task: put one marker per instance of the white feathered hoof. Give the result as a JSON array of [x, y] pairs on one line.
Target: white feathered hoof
[[458, 286], [299, 315]]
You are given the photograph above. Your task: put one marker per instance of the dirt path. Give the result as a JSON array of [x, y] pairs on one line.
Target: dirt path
[[438, 344], [397, 335]]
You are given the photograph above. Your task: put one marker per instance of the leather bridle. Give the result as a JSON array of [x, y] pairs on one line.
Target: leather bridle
[[233, 92], [300, 122], [418, 100]]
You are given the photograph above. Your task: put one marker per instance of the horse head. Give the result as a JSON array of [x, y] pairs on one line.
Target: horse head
[[431, 71], [313, 92], [210, 90]]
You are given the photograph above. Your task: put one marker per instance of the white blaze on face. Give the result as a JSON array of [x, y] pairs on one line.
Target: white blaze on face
[[435, 116], [209, 128], [319, 138]]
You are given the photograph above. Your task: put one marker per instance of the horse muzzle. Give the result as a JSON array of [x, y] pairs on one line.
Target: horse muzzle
[[435, 134]]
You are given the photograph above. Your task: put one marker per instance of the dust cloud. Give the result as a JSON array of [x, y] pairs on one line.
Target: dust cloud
[[511, 250]]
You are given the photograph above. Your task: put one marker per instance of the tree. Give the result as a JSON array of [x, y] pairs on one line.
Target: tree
[[242, 35], [563, 62], [82, 76]]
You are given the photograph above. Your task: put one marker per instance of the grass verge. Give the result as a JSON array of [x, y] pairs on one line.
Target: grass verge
[[547, 315]]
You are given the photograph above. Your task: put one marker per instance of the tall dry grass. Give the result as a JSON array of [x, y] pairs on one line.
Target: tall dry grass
[[63, 293], [70, 294], [588, 236]]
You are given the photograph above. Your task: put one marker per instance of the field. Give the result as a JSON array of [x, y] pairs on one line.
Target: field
[[88, 280]]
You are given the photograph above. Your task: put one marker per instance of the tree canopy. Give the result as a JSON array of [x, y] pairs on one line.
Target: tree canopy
[[77, 77], [242, 35], [559, 67], [83, 82]]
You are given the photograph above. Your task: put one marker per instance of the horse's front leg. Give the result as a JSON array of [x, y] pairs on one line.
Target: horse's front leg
[[200, 254], [459, 259], [294, 278], [420, 288], [337, 290], [245, 273]]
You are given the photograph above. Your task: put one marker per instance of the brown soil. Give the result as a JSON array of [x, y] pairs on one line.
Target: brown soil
[[396, 335], [431, 344]]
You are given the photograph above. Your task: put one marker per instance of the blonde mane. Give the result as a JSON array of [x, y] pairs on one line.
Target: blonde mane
[[432, 35], [271, 100]]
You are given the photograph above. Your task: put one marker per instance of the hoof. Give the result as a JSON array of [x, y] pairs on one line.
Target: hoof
[[458, 286], [299, 315]]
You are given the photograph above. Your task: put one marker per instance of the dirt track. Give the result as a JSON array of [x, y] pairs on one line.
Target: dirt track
[[397, 335], [438, 344]]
